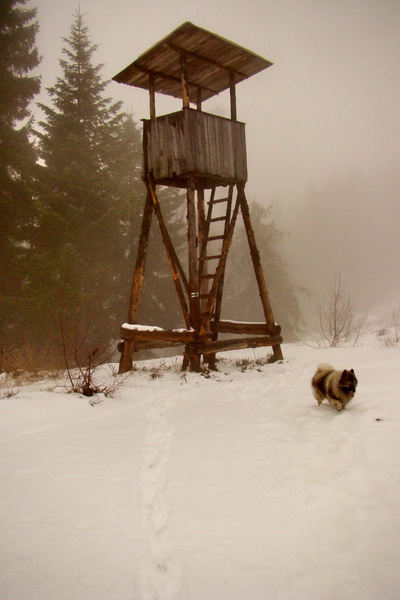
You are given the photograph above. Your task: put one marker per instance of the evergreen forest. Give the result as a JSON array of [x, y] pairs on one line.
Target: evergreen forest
[[71, 202]]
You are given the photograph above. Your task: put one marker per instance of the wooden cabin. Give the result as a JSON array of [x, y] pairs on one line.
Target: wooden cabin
[[194, 144], [194, 65]]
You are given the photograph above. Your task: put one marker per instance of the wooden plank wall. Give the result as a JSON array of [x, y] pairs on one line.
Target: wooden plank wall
[[196, 143]]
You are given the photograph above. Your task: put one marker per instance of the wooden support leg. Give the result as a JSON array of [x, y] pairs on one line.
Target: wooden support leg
[[212, 361], [195, 363], [125, 363], [194, 359], [191, 360], [177, 271], [192, 258], [202, 244], [255, 256], [185, 362], [128, 346]]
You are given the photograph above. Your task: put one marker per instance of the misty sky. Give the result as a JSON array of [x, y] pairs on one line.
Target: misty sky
[[322, 124]]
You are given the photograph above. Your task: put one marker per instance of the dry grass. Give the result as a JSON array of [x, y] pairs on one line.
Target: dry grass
[[27, 364]]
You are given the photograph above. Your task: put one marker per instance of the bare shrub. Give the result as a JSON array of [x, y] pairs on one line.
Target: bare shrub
[[389, 332], [95, 378], [247, 363], [88, 370], [9, 393], [340, 320]]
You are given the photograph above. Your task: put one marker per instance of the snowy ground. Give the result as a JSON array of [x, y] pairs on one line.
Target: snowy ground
[[232, 487]]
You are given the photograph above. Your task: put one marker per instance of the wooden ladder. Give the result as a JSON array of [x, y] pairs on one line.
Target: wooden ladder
[[219, 212]]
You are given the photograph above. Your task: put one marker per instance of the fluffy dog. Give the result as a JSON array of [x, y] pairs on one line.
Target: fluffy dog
[[338, 387]]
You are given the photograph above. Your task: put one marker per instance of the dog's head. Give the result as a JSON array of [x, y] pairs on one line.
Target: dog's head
[[348, 382]]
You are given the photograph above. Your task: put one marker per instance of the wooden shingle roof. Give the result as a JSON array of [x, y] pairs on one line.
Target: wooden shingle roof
[[210, 61]]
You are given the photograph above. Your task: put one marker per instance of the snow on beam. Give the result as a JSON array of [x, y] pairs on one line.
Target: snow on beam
[[152, 333]]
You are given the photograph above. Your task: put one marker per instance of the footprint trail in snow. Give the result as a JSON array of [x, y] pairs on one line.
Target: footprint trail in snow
[[161, 572]]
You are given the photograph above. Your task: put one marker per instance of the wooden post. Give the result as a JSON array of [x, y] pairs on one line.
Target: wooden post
[[193, 268], [202, 268], [128, 345], [185, 85], [233, 96], [152, 92], [198, 100], [138, 276], [255, 255]]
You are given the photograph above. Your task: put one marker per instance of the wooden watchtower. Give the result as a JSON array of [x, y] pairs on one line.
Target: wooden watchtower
[[204, 154]]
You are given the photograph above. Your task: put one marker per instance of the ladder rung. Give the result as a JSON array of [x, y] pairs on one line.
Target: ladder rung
[[215, 219], [212, 257], [215, 237], [207, 276], [218, 201]]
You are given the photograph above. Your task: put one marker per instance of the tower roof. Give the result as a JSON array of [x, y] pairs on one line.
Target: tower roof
[[210, 62]]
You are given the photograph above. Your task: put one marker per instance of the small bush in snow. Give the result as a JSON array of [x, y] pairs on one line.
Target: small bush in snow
[[9, 393], [253, 363], [340, 320], [389, 333]]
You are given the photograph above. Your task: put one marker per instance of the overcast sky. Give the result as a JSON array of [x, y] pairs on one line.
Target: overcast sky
[[326, 112]]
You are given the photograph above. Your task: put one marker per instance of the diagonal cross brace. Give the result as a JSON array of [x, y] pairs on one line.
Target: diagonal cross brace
[[178, 273]]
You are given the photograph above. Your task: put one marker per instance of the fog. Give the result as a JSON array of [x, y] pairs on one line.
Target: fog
[[322, 124]]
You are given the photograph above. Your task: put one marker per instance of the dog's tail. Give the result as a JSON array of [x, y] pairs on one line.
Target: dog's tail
[[324, 369], [322, 372], [318, 381]]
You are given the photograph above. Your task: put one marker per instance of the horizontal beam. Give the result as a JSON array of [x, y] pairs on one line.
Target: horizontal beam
[[237, 344], [156, 345], [159, 75], [246, 328], [162, 335]]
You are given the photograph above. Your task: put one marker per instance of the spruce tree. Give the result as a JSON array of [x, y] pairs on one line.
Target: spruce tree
[[83, 213], [90, 203], [18, 57], [125, 159]]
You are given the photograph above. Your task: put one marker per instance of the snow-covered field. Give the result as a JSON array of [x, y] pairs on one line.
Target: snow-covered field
[[232, 487]]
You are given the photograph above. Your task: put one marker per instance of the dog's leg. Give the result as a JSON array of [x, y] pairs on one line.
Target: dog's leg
[[336, 403], [318, 396]]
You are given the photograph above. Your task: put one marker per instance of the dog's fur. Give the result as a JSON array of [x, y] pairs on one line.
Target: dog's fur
[[338, 387]]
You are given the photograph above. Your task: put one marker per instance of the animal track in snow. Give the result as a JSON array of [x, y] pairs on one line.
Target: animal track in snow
[[161, 573]]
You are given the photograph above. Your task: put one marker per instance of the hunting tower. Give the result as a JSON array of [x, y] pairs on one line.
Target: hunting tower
[[206, 155]]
